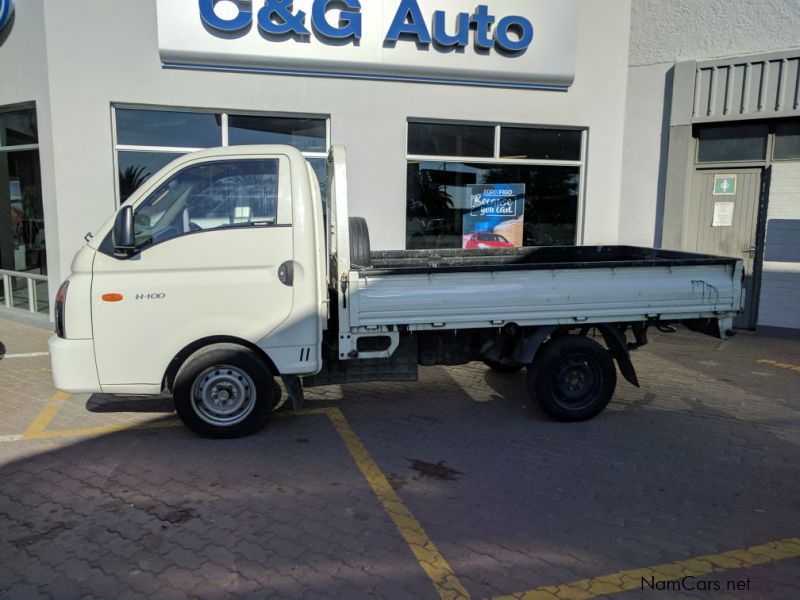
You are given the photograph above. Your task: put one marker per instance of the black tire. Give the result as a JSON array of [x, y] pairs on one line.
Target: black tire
[[502, 367], [573, 378], [359, 242], [224, 391]]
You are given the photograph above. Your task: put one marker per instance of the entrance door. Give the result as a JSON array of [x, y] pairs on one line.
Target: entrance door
[[724, 220]]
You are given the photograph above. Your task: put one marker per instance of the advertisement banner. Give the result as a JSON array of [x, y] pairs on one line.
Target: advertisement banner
[[495, 216]]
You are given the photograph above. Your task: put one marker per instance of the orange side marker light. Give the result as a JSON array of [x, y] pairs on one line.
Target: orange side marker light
[[112, 297]]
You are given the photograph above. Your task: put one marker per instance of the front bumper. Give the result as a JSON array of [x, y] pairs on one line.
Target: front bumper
[[73, 365]]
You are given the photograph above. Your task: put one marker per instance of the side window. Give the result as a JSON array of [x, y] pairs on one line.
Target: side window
[[235, 193]]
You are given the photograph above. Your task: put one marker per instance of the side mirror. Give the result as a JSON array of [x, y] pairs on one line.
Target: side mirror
[[123, 236]]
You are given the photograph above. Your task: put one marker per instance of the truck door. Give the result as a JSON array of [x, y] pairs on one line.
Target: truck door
[[210, 240]]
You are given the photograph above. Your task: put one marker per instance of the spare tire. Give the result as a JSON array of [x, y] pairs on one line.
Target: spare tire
[[359, 242]]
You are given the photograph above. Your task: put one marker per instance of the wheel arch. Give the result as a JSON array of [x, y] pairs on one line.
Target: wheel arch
[[181, 357], [613, 336]]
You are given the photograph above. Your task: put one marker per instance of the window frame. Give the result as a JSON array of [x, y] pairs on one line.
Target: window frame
[[17, 108], [282, 198], [774, 139], [768, 160], [224, 142], [580, 225]]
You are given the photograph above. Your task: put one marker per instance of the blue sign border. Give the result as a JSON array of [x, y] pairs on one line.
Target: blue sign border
[[369, 76], [6, 11]]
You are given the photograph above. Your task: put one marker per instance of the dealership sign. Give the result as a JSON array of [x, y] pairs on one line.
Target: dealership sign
[[6, 12], [508, 43]]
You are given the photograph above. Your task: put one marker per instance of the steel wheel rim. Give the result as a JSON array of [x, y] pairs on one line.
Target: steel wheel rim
[[576, 381], [223, 395]]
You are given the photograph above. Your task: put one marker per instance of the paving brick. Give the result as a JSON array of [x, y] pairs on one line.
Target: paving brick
[[702, 459]]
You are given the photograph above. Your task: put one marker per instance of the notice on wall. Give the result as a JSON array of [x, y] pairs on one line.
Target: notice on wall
[[723, 214], [495, 216]]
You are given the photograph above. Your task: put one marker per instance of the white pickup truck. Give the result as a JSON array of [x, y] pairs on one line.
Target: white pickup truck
[[227, 269]]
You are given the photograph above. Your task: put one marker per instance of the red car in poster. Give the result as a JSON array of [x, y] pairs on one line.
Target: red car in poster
[[487, 240]]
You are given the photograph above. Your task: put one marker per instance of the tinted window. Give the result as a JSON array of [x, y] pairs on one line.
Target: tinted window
[[307, 135], [438, 139], [550, 144], [438, 196], [137, 167], [733, 143], [168, 128], [215, 195], [787, 141], [18, 128]]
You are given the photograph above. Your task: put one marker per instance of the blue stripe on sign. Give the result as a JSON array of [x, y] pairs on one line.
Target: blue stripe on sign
[[5, 12], [368, 76]]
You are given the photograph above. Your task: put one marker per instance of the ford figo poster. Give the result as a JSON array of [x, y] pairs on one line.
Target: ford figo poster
[[495, 216]]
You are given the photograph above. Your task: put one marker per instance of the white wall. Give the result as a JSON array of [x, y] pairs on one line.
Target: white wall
[[105, 51], [780, 282], [23, 80], [661, 34]]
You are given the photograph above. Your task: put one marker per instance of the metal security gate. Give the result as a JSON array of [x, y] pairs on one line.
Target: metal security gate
[[724, 219]]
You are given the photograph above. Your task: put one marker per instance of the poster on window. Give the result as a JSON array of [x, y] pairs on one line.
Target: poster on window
[[495, 216]]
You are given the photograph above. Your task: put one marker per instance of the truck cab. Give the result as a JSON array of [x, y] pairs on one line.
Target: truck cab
[[223, 248]]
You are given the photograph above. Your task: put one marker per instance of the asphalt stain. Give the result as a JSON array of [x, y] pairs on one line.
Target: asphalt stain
[[438, 470], [46, 534]]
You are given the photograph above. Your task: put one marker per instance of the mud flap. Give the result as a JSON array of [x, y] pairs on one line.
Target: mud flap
[[294, 387], [618, 345]]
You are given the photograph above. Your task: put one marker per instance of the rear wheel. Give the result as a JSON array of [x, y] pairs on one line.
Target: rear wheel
[[224, 391], [573, 378], [502, 367]]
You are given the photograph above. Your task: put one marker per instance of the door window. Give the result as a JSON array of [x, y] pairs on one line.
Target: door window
[[209, 196]]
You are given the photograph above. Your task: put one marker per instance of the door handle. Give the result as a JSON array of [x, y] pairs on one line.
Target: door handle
[[286, 273], [751, 251]]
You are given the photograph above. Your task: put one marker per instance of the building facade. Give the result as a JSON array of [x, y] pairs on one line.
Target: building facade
[[592, 111], [712, 141]]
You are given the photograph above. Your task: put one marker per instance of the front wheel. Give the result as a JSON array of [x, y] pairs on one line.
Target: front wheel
[[224, 391], [573, 378]]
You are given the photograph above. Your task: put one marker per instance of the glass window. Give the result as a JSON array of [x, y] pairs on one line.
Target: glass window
[[442, 139], [22, 241], [540, 144], [733, 143], [307, 135], [787, 141], [320, 166], [438, 196], [235, 193], [18, 128], [168, 128], [137, 167]]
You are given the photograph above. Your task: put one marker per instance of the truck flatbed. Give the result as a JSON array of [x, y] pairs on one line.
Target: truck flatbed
[[410, 262]]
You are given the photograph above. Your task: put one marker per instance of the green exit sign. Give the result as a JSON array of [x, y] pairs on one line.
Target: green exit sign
[[724, 185]]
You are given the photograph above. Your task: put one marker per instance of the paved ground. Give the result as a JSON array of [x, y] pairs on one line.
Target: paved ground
[[697, 473]]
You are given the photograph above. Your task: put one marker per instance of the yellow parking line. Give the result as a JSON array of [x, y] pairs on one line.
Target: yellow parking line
[[779, 365], [44, 418], [426, 553], [634, 579], [89, 431]]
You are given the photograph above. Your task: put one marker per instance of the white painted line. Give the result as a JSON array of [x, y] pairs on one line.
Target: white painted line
[[29, 355], [10, 438]]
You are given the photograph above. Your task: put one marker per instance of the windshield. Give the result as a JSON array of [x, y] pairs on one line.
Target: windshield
[[491, 237]]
